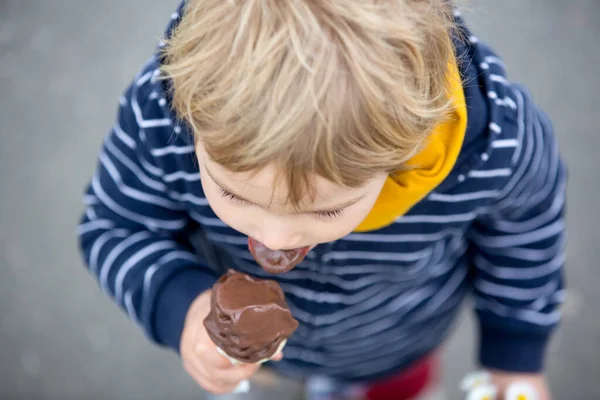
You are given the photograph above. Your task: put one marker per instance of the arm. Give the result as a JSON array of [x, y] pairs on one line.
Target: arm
[[128, 234], [518, 254]]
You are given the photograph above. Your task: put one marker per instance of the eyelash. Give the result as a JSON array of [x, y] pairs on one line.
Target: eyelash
[[321, 214], [230, 196]]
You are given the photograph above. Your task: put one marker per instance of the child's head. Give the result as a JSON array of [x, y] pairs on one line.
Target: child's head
[[302, 107]]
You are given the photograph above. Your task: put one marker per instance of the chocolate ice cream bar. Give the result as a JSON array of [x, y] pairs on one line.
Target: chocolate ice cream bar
[[249, 318]]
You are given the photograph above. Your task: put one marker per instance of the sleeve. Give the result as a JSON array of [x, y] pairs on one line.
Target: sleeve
[[129, 232], [518, 252]]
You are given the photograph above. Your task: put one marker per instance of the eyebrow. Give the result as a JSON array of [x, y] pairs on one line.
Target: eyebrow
[[340, 206]]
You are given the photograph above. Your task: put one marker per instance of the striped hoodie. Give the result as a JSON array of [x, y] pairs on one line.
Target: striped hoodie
[[373, 302]]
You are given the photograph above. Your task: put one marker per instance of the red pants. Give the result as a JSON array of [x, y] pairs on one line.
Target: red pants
[[407, 384]]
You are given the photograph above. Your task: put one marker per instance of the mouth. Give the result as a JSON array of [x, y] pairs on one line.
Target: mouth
[[276, 261]]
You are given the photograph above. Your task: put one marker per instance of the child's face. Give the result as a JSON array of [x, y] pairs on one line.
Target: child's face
[[257, 206]]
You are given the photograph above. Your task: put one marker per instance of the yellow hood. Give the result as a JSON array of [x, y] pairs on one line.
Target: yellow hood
[[431, 166]]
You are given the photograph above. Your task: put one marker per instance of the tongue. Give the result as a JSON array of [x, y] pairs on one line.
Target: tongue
[[276, 261]]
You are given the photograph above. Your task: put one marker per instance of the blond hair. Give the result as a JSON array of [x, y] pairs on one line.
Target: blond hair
[[344, 89]]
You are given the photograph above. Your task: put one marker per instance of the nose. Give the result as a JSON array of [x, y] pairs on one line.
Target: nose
[[278, 237]]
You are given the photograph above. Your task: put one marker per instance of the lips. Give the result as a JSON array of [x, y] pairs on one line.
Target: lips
[[276, 261]]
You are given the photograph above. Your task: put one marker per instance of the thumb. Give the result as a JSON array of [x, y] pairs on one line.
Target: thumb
[[277, 357]]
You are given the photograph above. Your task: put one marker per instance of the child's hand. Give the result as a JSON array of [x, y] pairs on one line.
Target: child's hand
[[503, 379], [200, 358]]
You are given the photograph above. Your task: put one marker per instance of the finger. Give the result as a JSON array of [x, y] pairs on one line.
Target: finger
[[278, 356], [210, 381], [207, 352], [237, 373], [227, 374]]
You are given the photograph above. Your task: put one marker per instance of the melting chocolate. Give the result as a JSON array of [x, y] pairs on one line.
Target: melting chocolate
[[249, 318], [276, 261]]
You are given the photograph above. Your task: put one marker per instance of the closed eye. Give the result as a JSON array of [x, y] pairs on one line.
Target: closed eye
[[327, 215], [232, 197]]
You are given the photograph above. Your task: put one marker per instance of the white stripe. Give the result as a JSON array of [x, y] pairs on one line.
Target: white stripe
[[167, 258], [338, 360], [199, 201], [494, 60], [531, 165], [504, 143], [90, 200], [172, 149], [437, 219], [531, 255], [138, 173], [146, 123], [115, 252], [395, 333], [151, 223], [235, 240], [374, 320], [520, 239], [377, 256], [186, 176], [499, 79], [535, 222], [206, 220], [520, 126], [90, 213], [557, 297], [490, 173], [134, 193], [392, 238], [532, 317], [144, 78], [515, 293], [399, 338], [455, 198], [494, 127], [520, 273], [507, 101], [154, 170], [330, 298], [155, 75], [128, 302], [545, 174], [94, 225], [124, 137], [135, 259], [445, 292], [101, 241]]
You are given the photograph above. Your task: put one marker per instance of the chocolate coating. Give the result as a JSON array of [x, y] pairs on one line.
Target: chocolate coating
[[249, 317], [276, 261]]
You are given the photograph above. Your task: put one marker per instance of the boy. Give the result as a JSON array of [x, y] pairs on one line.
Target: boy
[[379, 134]]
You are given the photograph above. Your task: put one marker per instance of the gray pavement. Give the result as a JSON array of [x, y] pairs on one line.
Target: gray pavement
[[63, 65]]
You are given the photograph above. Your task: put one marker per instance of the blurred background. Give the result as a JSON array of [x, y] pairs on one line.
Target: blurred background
[[63, 64]]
